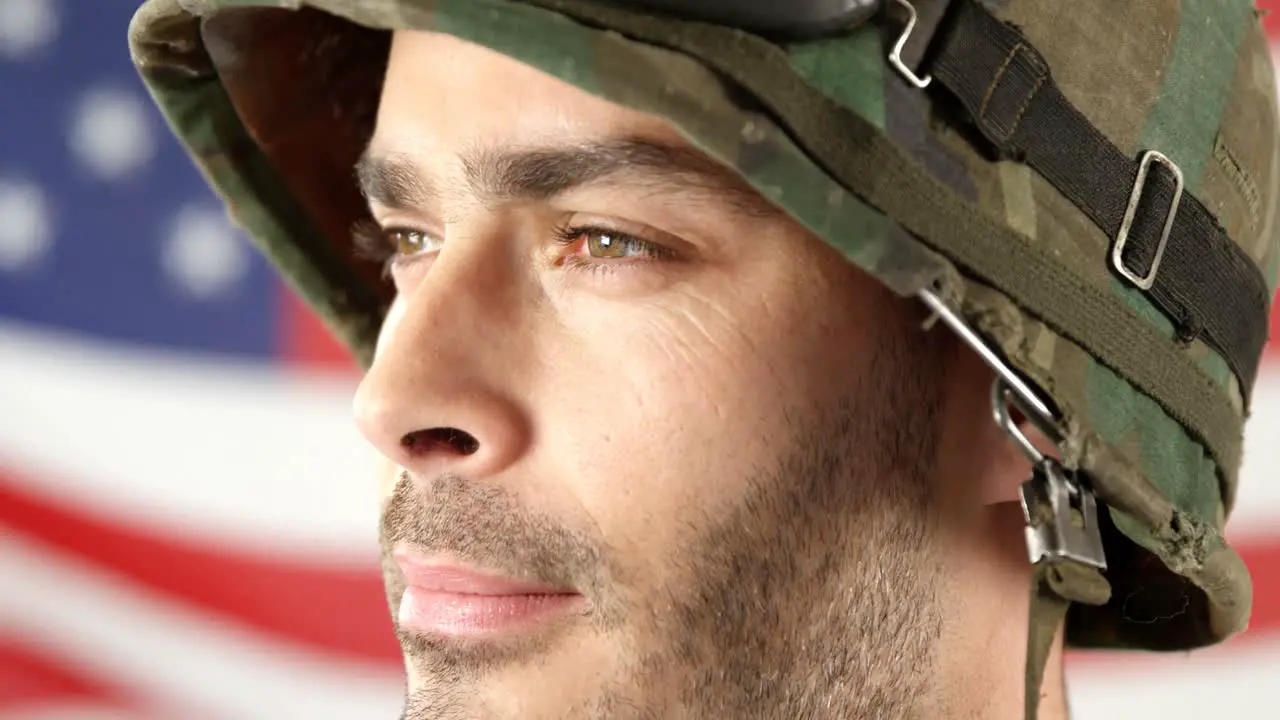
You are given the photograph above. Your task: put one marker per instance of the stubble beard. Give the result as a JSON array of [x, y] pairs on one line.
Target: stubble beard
[[816, 596]]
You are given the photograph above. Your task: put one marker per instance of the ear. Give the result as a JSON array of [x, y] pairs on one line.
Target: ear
[[1011, 467], [995, 462]]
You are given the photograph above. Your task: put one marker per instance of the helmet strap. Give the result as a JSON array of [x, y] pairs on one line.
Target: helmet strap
[[1048, 612], [1055, 584]]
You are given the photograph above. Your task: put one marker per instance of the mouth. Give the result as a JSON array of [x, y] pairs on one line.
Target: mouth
[[454, 601]]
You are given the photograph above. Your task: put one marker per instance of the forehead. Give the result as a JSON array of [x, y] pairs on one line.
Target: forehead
[[442, 95]]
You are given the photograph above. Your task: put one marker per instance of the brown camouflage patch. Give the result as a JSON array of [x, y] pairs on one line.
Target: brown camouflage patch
[[1108, 57], [1242, 156]]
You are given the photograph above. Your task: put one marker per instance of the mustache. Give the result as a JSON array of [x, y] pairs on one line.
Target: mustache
[[486, 526]]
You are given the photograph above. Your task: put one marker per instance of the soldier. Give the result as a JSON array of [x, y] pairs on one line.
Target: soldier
[[746, 360]]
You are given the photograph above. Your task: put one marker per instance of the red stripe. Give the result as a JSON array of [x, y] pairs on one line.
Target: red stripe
[[29, 676], [304, 339], [1271, 17], [34, 678], [1262, 556], [1272, 350], [339, 612]]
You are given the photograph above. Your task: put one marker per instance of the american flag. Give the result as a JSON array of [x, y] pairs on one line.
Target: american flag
[[187, 517]]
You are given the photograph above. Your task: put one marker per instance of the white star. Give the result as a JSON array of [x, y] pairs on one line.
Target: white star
[[26, 232], [26, 26], [203, 253], [110, 132]]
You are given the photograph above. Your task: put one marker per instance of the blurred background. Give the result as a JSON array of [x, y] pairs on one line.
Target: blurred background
[[187, 516]]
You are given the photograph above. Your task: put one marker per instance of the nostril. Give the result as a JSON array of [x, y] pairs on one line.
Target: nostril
[[424, 441]]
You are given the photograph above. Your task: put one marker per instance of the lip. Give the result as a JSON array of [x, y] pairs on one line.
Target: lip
[[452, 600]]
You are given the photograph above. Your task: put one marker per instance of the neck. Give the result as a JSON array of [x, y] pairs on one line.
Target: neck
[[983, 653]]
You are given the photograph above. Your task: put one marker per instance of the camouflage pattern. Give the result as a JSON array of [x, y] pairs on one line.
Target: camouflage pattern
[[274, 105]]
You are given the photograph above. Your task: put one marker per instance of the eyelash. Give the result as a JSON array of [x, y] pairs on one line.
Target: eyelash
[[373, 243], [570, 234]]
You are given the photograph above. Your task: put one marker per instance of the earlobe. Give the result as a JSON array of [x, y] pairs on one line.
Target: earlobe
[[989, 458], [1011, 466], [1009, 469]]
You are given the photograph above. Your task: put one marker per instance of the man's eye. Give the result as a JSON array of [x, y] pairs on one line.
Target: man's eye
[[407, 242], [604, 244], [390, 246]]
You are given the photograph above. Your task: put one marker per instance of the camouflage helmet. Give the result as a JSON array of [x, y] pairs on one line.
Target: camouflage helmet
[[1085, 192]]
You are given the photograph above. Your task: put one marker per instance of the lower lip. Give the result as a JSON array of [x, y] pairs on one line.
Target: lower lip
[[462, 616]]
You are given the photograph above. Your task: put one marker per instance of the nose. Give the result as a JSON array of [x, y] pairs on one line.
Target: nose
[[440, 394]]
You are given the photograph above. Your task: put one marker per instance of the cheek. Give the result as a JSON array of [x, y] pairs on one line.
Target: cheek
[[670, 408]]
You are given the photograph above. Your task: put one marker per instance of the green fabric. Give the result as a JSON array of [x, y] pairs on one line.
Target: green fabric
[[1155, 423], [866, 161], [191, 98], [1048, 612], [1189, 107], [848, 69], [1197, 80], [1054, 587], [1180, 462]]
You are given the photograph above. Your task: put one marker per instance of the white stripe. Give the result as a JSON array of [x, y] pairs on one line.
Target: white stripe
[[1257, 510], [1235, 682], [237, 451], [108, 629], [222, 450]]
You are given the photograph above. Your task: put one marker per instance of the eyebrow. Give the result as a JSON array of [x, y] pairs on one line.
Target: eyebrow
[[499, 175]]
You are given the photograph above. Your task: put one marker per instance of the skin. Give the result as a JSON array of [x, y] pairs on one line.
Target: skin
[[778, 495]]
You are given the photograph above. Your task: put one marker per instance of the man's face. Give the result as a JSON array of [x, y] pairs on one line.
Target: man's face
[[660, 452]]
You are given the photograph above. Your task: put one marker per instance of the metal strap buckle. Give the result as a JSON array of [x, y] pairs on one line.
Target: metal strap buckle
[[1070, 531], [895, 55], [1074, 533], [1122, 238]]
